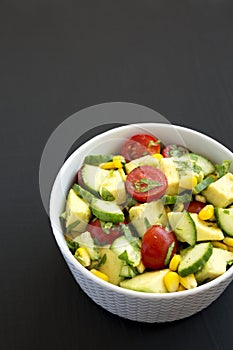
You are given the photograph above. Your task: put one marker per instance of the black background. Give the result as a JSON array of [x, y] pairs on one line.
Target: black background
[[58, 57]]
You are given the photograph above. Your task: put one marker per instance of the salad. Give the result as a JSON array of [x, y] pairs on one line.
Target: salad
[[152, 218]]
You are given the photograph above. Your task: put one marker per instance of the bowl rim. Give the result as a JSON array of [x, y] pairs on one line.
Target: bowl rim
[[59, 236]]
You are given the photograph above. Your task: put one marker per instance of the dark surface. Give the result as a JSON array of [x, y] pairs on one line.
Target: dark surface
[[58, 57]]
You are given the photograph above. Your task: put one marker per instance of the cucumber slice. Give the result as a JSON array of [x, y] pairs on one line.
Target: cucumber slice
[[93, 176], [183, 226], [128, 271], [183, 198], [202, 162], [83, 193], [195, 258], [107, 211], [126, 250], [224, 219], [203, 184], [97, 159]]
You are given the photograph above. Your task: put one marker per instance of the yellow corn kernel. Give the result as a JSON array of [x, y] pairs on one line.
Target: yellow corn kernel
[[83, 256], [117, 164], [189, 281], [99, 274], [122, 173], [230, 249], [157, 156], [171, 281], [207, 212], [107, 166], [221, 245], [141, 267], [228, 241], [188, 182], [200, 198], [180, 288], [174, 263]]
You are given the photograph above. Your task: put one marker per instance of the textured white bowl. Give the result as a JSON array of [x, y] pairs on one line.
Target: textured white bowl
[[138, 306]]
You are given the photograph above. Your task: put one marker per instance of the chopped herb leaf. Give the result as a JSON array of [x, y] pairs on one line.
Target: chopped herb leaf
[[72, 245], [73, 225], [144, 184], [169, 253], [63, 215], [226, 211], [222, 169], [124, 256], [147, 223], [153, 143]]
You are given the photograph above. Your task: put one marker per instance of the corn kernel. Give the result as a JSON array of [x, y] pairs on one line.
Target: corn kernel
[[221, 245], [228, 241], [174, 263], [180, 288], [158, 156], [122, 173], [107, 166], [230, 249], [171, 281], [99, 274], [200, 198], [117, 163], [83, 256], [189, 281], [207, 212]]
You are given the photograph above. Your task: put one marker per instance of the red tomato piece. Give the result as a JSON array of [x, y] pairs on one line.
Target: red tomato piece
[[102, 234], [195, 206], [174, 151], [140, 145], [146, 183], [158, 247]]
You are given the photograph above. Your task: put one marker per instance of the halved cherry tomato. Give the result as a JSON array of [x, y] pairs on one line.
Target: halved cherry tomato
[[195, 206], [174, 151], [103, 233], [140, 145], [146, 183], [158, 247]]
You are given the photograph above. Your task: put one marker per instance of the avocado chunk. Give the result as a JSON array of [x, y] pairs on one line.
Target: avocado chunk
[[215, 266], [220, 192], [149, 282], [112, 266], [147, 214], [168, 167], [206, 231], [78, 212], [113, 188]]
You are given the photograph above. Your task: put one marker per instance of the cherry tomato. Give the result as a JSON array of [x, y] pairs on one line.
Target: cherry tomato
[[158, 247], [102, 232], [140, 145], [146, 183], [174, 151], [195, 206], [79, 178]]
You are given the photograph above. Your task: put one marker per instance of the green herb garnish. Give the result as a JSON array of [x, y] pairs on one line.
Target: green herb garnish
[[144, 185], [73, 225]]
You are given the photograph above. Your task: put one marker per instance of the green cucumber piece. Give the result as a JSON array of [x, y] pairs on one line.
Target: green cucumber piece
[[97, 159], [83, 193], [128, 271], [224, 219], [126, 250], [167, 200], [205, 164], [203, 184], [92, 177], [107, 211], [195, 258], [183, 226]]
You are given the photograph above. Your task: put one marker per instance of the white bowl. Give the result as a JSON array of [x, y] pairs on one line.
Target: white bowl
[[133, 305]]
